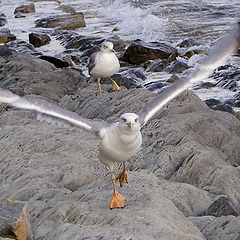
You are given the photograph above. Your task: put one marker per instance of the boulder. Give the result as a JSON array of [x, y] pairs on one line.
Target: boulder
[[139, 52], [30, 8], [36, 76], [6, 35], [3, 19], [62, 22], [38, 40]]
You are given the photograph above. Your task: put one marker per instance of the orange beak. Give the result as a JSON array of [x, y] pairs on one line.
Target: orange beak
[[113, 50], [130, 124]]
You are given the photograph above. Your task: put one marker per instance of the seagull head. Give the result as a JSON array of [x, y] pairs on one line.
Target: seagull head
[[129, 122], [107, 47]]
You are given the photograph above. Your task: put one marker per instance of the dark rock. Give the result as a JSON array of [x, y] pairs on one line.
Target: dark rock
[[139, 52], [156, 66], [6, 35], [38, 40], [176, 66], [30, 8], [227, 84], [5, 52], [212, 102], [206, 85], [221, 207], [62, 22], [155, 86], [188, 43], [15, 221], [23, 47], [223, 107], [19, 15], [193, 52], [58, 63], [3, 19]]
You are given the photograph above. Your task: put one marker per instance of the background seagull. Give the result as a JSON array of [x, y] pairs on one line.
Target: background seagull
[[119, 141], [104, 64]]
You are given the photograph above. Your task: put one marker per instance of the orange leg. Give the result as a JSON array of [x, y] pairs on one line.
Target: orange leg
[[115, 85], [122, 177], [99, 85], [117, 199]]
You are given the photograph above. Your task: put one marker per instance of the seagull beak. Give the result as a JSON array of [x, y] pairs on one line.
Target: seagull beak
[[130, 124], [112, 50]]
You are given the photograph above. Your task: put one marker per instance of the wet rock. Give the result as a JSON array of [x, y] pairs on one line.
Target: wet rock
[[19, 15], [173, 78], [6, 35], [206, 85], [188, 43], [155, 66], [154, 86], [38, 40], [62, 22], [58, 63], [3, 19], [212, 102], [67, 9], [227, 84], [139, 52], [23, 47], [193, 52], [221, 207], [30, 8], [223, 107], [176, 66], [5, 52]]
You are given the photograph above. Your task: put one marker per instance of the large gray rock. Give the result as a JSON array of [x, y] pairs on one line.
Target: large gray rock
[[30, 8], [188, 160], [24, 73]]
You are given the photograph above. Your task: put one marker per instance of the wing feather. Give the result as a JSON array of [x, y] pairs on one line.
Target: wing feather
[[49, 112], [220, 53]]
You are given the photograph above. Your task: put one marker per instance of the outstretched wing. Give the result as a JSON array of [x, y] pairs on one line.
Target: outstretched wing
[[49, 112], [220, 53]]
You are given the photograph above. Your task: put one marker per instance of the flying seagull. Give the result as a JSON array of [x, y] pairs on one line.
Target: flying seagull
[[104, 64], [119, 141]]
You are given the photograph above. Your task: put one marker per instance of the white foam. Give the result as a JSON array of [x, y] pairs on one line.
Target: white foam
[[133, 22]]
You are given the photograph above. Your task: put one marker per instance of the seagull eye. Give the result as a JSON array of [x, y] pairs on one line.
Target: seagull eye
[[136, 120], [124, 119]]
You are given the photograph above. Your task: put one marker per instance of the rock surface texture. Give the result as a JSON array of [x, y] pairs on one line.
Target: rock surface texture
[[188, 165]]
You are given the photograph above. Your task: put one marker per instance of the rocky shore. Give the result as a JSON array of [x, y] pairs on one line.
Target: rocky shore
[[183, 184]]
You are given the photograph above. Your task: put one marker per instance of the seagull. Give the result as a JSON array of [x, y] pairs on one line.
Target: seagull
[[104, 64], [119, 141]]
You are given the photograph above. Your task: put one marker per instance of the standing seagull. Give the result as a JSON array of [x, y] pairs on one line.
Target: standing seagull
[[119, 141], [104, 64]]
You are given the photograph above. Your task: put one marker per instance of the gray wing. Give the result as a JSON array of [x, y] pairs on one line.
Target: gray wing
[[49, 112], [92, 62], [220, 53]]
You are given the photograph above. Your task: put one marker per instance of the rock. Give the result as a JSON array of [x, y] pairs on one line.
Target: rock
[[212, 102], [156, 66], [155, 85], [218, 228], [38, 40], [6, 35], [15, 220], [67, 9], [139, 52], [5, 52], [36, 76], [22, 47], [221, 207], [62, 22], [58, 63], [3, 19], [193, 52], [188, 43], [173, 78], [176, 66], [223, 107], [19, 15], [30, 8]]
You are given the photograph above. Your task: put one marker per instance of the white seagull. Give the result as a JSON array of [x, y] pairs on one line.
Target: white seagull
[[119, 141], [104, 64]]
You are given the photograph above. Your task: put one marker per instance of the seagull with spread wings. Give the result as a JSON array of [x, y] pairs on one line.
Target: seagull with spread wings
[[119, 141]]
